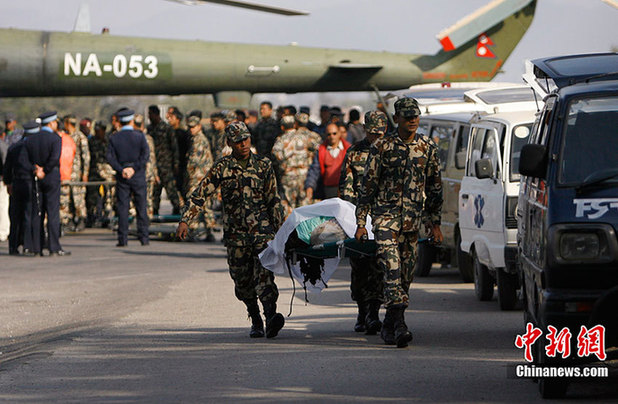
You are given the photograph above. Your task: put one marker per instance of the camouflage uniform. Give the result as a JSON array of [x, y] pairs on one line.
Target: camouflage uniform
[[152, 172], [265, 133], [293, 152], [366, 277], [251, 216], [199, 161], [216, 140], [100, 170], [397, 176], [166, 152], [81, 167]]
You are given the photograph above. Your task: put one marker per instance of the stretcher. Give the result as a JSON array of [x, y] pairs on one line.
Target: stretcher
[[350, 248]]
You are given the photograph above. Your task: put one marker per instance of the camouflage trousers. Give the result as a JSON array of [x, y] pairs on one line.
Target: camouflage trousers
[[79, 201], [168, 181], [72, 203], [396, 256], [65, 205], [150, 184], [100, 199], [366, 279], [294, 189], [251, 279]]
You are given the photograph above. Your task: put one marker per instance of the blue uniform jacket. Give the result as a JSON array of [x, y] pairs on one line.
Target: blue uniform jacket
[[44, 150], [17, 166], [128, 148]]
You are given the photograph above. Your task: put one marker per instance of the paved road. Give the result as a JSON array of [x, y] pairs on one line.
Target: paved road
[[160, 324]]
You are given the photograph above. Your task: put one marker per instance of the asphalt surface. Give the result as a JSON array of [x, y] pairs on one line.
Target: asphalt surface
[[160, 323]]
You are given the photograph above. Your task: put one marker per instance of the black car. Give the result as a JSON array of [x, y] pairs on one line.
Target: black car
[[568, 207]]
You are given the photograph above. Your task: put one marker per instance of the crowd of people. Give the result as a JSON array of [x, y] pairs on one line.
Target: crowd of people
[[182, 149], [255, 170]]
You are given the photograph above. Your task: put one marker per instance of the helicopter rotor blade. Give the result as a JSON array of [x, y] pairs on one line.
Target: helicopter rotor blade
[[248, 5]]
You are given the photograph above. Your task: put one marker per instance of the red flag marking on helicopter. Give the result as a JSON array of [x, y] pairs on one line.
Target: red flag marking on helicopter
[[482, 47]]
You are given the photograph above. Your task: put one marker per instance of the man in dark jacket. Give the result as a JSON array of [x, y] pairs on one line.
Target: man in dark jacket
[[128, 154]]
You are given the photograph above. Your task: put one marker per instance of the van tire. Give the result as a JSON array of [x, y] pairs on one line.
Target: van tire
[[507, 289], [464, 262], [483, 282], [549, 387], [426, 256]]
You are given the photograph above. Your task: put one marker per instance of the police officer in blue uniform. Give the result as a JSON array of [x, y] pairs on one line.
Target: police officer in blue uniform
[[18, 178], [44, 154], [128, 154]]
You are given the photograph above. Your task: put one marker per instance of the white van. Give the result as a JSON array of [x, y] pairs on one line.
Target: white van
[[488, 202], [451, 131]]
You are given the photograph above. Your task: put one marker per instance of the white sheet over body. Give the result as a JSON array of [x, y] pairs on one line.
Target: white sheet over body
[[273, 256]]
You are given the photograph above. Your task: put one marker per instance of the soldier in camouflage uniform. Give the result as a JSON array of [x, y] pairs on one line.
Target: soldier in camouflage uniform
[[216, 134], [401, 167], [251, 217], [366, 278], [266, 130], [152, 172], [81, 168], [293, 152], [199, 161], [166, 151], [100, 170]]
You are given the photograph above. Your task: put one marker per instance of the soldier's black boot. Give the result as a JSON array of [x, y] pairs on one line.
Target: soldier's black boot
[[360, 319], [402, 335], [274, 320], [388, 327], [257, 325], [372, 321]]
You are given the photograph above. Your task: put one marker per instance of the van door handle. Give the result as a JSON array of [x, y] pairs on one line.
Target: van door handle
[[464, 196]]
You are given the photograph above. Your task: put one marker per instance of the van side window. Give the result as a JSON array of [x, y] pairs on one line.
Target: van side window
[[490, 148], [477, 135], [462, 140], [545, 122], [442, 134]]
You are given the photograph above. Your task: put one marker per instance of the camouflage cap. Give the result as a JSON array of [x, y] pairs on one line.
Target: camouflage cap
[[139, 119], [193, 121], [407, 107], [302, 118], [288, 121], [376, 122], [237, 131], [230, 116]]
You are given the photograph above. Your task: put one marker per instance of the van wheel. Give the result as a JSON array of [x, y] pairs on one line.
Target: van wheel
[[507, 289], [526, 305], [426, 257], [552, 387], [464, 262], [549, 387], [483, 282]]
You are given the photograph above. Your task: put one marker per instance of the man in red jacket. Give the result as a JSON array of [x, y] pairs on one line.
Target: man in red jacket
[[323, 177]]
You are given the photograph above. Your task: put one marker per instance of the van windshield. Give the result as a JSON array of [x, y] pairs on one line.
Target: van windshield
[[518, 139], [590, 139]]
